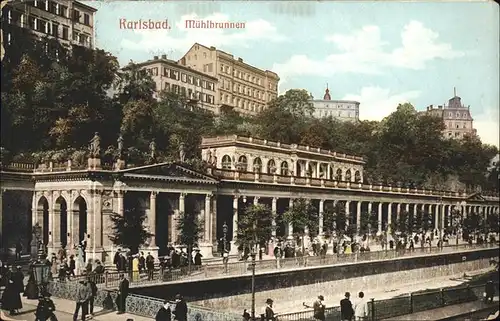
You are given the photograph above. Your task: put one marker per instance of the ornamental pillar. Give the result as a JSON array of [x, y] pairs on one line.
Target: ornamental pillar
[[347, 213], [358, 217], [321, 231], [152, 217], [379, 218], [436, 217], [274, 206], [290, 225], [389, 217], [234, 249]]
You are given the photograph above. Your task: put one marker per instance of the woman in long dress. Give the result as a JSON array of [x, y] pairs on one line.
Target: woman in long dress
[[31, 290], [11, 298], [135, 269]]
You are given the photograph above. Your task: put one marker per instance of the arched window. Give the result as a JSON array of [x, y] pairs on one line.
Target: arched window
[[271, 166], [357, 177], [284, 168], [226, 162], [348, 175], [243, 163], [298, 169], [257, 165], [338, 176], [323, 170]]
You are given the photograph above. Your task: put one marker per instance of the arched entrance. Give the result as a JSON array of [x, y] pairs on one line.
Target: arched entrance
[[79, 219], [43, 214], [61, 218]]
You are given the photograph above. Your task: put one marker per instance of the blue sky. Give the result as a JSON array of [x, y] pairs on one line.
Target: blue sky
[[379, 53]]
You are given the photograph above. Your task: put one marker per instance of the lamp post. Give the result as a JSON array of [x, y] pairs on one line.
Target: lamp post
[[224, 241], [41, 270], [252, 254]]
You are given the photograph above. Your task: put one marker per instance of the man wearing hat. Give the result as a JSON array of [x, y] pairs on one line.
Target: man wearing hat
[[319, 308], [45, 308], [181, 310], [268, 314]]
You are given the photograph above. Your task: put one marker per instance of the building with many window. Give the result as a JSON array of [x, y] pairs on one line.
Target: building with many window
[[243, 87], [169, 75], [343, 110], [68, 21], [457, 118]]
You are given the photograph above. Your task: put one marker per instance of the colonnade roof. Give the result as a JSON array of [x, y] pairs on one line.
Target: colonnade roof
[[258, 143]]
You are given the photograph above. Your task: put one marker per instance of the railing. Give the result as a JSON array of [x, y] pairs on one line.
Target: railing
[[242, 268], [402, 305]]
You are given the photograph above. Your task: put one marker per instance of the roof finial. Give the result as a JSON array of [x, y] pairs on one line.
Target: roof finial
[[454, 92], [326, 85]]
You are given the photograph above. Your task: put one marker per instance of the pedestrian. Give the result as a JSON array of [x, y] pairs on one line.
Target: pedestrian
[[346, 310], [142, 263], [165, 312], [268, 313], [197, 258], [318, 308], [18, 279], [72, 266], [45, 308], [116, 259], [489, 292], [361, 309], [150, 266], [11, 300], [180, 311], [83, 295], [136, 269], [31, 290], [163, 265], [246, 315], [93, 287], [122, 293]]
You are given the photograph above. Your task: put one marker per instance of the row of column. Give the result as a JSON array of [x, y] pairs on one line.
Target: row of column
[[464, 209]]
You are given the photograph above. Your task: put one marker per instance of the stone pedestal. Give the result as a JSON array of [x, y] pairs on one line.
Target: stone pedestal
[[206, 250], [94, 163]]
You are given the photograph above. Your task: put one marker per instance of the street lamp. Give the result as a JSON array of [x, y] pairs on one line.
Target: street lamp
[[41, 270], [441, 223], [224, 240], [252, 254]]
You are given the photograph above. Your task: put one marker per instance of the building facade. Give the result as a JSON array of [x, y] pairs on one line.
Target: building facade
[[457, 118], [343, 110], [241, 86], [74, 202], [169, 75], [67, 21]]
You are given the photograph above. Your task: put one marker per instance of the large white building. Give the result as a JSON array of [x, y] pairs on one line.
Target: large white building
[[343, 110]]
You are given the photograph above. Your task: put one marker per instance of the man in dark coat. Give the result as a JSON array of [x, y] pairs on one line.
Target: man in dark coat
[[150, 266], [268, 314], [142, 263], [11, 299], [122, 293], [181, 309], [45, 309], [165, 313], [18, 279], [116, 259], [489, 290], [93, 286], [72, 266], [197, 258], [346, 310]]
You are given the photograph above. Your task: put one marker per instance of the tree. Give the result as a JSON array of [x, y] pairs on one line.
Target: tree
[[255, 226], [334, 220], [402, 224], [492, 223], [303, 216], [427, 223], [472, 223], [369, 224], [456, 222], [129, 230], [190, 227]]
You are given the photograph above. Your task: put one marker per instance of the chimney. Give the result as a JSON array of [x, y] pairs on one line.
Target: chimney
[[428, 108], [440, 107], [163, 56], [432, 106], [240, 60], [212, 48], [155, 57]]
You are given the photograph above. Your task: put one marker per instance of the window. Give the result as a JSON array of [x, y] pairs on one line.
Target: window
[[190, 79], [55, 30], [284, 168], [226, 162], [76, 15], [183, 77], [53, 7], [243, 163], [86, 19], [450, 114], [204, 55], [65, 33], [63, 11], [155, 71], [221, 68], [41, 25]]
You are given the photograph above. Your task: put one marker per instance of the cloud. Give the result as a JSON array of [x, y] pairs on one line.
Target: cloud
[[377, 103], [164, 40], [364, 52], [487, 126]]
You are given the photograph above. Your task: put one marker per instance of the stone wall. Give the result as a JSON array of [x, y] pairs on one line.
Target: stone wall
[[136, 304], [234, 293]]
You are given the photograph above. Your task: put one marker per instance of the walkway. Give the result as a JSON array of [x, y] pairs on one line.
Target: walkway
[[447, 312]]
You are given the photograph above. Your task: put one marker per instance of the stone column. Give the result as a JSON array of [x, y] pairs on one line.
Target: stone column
[[152, 217], [317, 170], [181, 208], [234, 249], [51, 220], [256, 200], [69, 224], [206, 244], [290, 226], [398, 211], [443, 212], [213, 221], [358, 217], [328, 171], [321, 231], [347, 213], [389, 217], [370, 208], [415, 209], [274, 206], [379, 219], [96, 228], [407, 207]]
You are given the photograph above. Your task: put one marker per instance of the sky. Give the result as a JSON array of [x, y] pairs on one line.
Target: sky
[[378, 53]]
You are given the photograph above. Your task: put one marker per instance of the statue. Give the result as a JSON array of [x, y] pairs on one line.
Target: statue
[[120, 145], [152, 148], [214, 158], [182, 154], [95, 145]]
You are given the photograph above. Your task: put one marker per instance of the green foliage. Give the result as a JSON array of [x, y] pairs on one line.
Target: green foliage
[[302, 215], [255, 225], [404, 223], [334, 220], [473, 223], [128, 230], [427, 221], [62, 100], [190, 227], [369, 223], [492, 223]]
